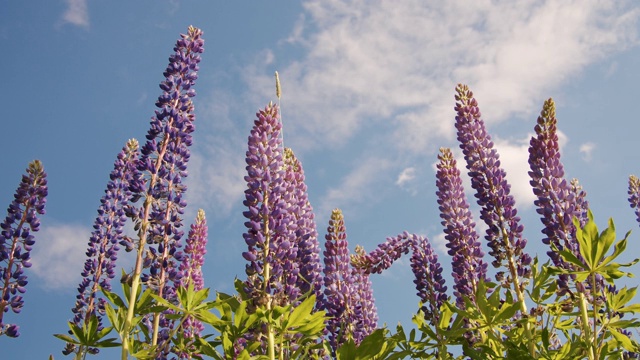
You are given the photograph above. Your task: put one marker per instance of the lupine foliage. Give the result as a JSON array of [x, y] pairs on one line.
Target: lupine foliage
[[295, 304]]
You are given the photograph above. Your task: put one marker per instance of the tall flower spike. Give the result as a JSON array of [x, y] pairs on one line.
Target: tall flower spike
[[17, 240], [428, 277], [161, 169], [306, 235], [634, 195], [556, 201], [462, 240], [488, 179], [102, 251], [272, 271]]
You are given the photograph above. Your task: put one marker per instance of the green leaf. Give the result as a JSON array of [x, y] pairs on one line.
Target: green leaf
[[301, 312], [624, 340]]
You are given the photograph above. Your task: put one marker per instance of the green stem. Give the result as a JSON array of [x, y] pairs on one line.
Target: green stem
[[584, 316]]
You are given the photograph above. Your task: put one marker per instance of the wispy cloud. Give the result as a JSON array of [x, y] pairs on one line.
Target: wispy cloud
[[399, 62], [355, 187], [77, 13], [57, 254], [586, 150]]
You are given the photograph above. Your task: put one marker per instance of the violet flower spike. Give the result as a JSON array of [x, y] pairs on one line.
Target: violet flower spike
[[348, 295], [102, 252], [191, 266], [382, 257], [305, 233], [465, 250], [337, 281], [17, 240], [504, 233], [634, 195], [159, 181], [428, 277], [272, 271], [557, 201], [365, 313]]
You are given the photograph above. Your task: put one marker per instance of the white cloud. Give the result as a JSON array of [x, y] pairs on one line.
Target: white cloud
[[514, 159], [59, 254], [398, 62], [216, 179], [355, 187], [406, 180], [217, 164], [76, 13], [586, 150]]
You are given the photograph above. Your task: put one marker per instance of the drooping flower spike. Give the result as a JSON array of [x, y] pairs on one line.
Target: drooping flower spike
[[17, 240], [462, 240], [488, 179]]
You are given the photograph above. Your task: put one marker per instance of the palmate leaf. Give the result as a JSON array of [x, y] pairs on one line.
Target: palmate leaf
[[624, 341]]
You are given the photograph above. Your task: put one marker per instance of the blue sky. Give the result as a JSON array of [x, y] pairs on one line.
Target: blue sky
[[367, 102]]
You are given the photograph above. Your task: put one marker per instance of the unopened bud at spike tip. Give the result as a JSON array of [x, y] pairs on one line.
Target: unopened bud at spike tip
[[278, 89]]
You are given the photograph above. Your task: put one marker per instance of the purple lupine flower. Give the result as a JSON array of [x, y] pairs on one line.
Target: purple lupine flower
[[102, 251], [306, 235], [17, 240], [365, 313], [428, 277], [348, 295], [337, 281], [272, 271], [634, 195], [161, 168], [488, 179], [462, 240], [108, 232], [383, 256], [191, 267], [165, 156], [556, 199]]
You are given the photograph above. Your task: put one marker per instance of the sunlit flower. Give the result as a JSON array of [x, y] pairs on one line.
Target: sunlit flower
[[488, 179]]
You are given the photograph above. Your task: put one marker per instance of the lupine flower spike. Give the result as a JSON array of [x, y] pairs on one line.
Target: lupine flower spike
[[488, 179], [337, 281], [272, 272], [634, 195], [348, 296], [306, 235], [162, 166], [17, 240], [556, 200], [462, 240], [383, 256], [102, 251], [428, 277], [191, 269], [365, 313]]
